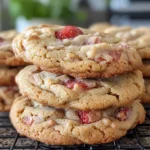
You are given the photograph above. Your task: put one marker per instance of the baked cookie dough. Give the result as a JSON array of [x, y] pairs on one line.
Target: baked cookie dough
[[69, 127], [74, 51], [146, 96], [117, 29], [142, 45], [7, 96], [7, 76], [7, 56], [68, 92], [146, 68], [99, 27]]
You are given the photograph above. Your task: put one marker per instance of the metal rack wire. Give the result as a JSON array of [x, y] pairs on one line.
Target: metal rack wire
[[136, 139]]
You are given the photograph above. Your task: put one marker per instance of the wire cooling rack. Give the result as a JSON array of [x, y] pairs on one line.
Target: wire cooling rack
[[136, 139]]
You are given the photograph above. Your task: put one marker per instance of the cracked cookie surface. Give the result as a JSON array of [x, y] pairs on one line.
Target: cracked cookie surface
[[74, 51], [7, 56], [69, 92], [7, 75], [7, 96], [66, 127]]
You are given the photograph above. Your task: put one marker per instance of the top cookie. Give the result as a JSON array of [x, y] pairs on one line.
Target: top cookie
[[7, 57], [74, 51]]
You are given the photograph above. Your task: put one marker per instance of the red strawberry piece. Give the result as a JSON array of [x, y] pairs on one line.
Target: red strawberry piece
[[71, 83], [68, 32], [115, 55], [98, 40], [100, 59], [87, 117], [122, 114], [28, 120], [83, 115]]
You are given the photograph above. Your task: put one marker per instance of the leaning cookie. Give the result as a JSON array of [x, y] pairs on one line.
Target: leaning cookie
[[7, 96], [146, 96], [74, 51], [7, 56], [69, 127], [68, 92], [7, 75]]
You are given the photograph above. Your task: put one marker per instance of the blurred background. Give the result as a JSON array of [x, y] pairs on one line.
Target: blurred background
[[22, 13]]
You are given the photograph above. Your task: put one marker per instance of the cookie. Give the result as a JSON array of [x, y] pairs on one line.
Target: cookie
[[73, 51], [67, 92], [138, 38], [69, 127], [127, 33], [117, 29], [146, 96], [7, 76], [146, 68], [142, 45], [7, 56], [100, 27], [7, 96]]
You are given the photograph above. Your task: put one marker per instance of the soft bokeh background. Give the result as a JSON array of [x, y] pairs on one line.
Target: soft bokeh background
[[22, 13]]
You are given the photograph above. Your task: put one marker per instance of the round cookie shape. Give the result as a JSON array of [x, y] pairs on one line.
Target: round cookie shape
[[68, 92], [7, 56], [66, 127], [7, 76], [7, 96], [146, 96], [83, 54]]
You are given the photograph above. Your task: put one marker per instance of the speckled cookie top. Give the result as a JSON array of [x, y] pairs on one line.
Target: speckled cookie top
[[75, 51], [69, 92]]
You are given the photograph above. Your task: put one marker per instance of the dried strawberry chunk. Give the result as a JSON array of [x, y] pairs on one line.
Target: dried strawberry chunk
[[115, 55], [71, 83], [68, 32], [87, 117], [122, 114], [28, 120], [109, 56], [83, 115]]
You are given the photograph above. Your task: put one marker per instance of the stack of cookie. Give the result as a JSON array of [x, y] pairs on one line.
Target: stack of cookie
[[9, 67], [83, 87]]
